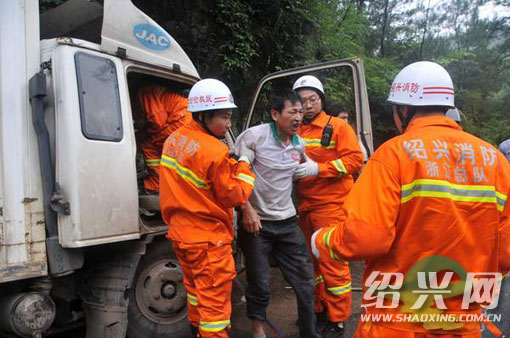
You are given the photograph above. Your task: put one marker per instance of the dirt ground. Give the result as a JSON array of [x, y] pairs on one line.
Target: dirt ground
[[282, 309]]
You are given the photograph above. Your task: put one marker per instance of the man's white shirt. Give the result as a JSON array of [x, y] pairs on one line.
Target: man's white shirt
[[273, 166]]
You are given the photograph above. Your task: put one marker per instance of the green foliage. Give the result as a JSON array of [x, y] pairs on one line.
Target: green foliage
[[240, 41], [474, 50], [338, 29], [240, 46], [379, 74]]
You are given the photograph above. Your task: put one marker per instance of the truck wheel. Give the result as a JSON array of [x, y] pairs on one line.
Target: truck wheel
[[157, 298]]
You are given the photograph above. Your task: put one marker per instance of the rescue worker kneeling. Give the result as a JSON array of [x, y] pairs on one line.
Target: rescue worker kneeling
[[430, 208], [199, 187]]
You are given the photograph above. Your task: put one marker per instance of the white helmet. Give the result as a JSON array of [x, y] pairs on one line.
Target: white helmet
[[454, 114], [504, 147], [209, 94], [422, 83], [308, 81]]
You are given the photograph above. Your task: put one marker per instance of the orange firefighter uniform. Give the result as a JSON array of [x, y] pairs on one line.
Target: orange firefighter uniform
[[433, 194], [199, 187], [320, 203], [165, 112]]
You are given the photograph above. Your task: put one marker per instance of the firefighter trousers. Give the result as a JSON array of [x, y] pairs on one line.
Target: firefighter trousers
[[332, 276], [373, 330], [208, 274]]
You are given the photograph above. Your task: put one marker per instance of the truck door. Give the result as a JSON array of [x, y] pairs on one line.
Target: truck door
[[95, 148], [343, 80]]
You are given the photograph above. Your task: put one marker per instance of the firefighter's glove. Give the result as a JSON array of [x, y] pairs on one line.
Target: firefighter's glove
[[315, 250], [245, 153], [306, 169]]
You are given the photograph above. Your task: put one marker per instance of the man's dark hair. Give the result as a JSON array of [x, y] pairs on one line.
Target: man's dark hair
[[207, 113], [335, 109], [278, 99]]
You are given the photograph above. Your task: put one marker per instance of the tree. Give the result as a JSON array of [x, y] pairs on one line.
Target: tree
[[240, 41]]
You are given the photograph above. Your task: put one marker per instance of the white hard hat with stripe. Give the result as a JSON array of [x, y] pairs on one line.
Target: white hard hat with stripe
[[422, 83], [210, 94], [308, 81]]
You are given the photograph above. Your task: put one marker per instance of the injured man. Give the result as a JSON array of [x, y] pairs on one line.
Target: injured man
[[269, 223]]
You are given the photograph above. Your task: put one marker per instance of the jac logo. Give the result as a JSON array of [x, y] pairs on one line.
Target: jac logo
[[151, 37]]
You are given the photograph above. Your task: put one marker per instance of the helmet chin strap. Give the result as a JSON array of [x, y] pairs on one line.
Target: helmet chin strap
[[201, 120], [405, 120]]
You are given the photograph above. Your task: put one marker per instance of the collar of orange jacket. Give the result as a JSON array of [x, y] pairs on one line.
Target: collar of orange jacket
[[433, 120], [194, 124], [320, 119]]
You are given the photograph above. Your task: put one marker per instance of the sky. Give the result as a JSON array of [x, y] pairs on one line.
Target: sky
[[489, 11]]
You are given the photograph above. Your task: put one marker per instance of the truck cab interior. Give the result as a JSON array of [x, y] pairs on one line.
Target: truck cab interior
[[148, 200]]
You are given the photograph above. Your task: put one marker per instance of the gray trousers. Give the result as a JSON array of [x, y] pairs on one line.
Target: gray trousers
[[285, 242]]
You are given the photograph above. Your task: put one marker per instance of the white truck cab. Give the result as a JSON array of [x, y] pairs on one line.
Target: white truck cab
[[74, 244]]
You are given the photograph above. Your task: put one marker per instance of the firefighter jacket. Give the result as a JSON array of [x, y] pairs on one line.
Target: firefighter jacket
[[200, 185], [432, 199], [162, 108], [337, 162]]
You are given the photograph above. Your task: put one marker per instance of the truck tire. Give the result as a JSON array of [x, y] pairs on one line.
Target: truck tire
[[157, 298]]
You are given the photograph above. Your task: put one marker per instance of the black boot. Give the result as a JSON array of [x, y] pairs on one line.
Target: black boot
[[333, 330], [322, 320], [194, 331]]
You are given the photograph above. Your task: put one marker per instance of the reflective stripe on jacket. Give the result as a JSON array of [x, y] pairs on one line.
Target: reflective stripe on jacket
[[337, 162], [432, 191], [200, 185]]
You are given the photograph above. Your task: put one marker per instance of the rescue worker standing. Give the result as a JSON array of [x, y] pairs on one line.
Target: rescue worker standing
[[434, 195], [335, 155], [165, 112], [200, 185]]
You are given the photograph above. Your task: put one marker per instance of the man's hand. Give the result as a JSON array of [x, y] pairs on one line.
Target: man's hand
[[251, 221], [315, 251], [306, 169], [245, 153]]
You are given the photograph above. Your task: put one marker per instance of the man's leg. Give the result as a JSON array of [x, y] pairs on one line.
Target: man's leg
[[213, 271], [294, 260], [335, 272], [256, 251]]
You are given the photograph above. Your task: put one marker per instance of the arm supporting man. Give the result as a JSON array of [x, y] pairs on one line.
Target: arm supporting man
[[233, 181], [348, 162], [371, 209], [350, 157]]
